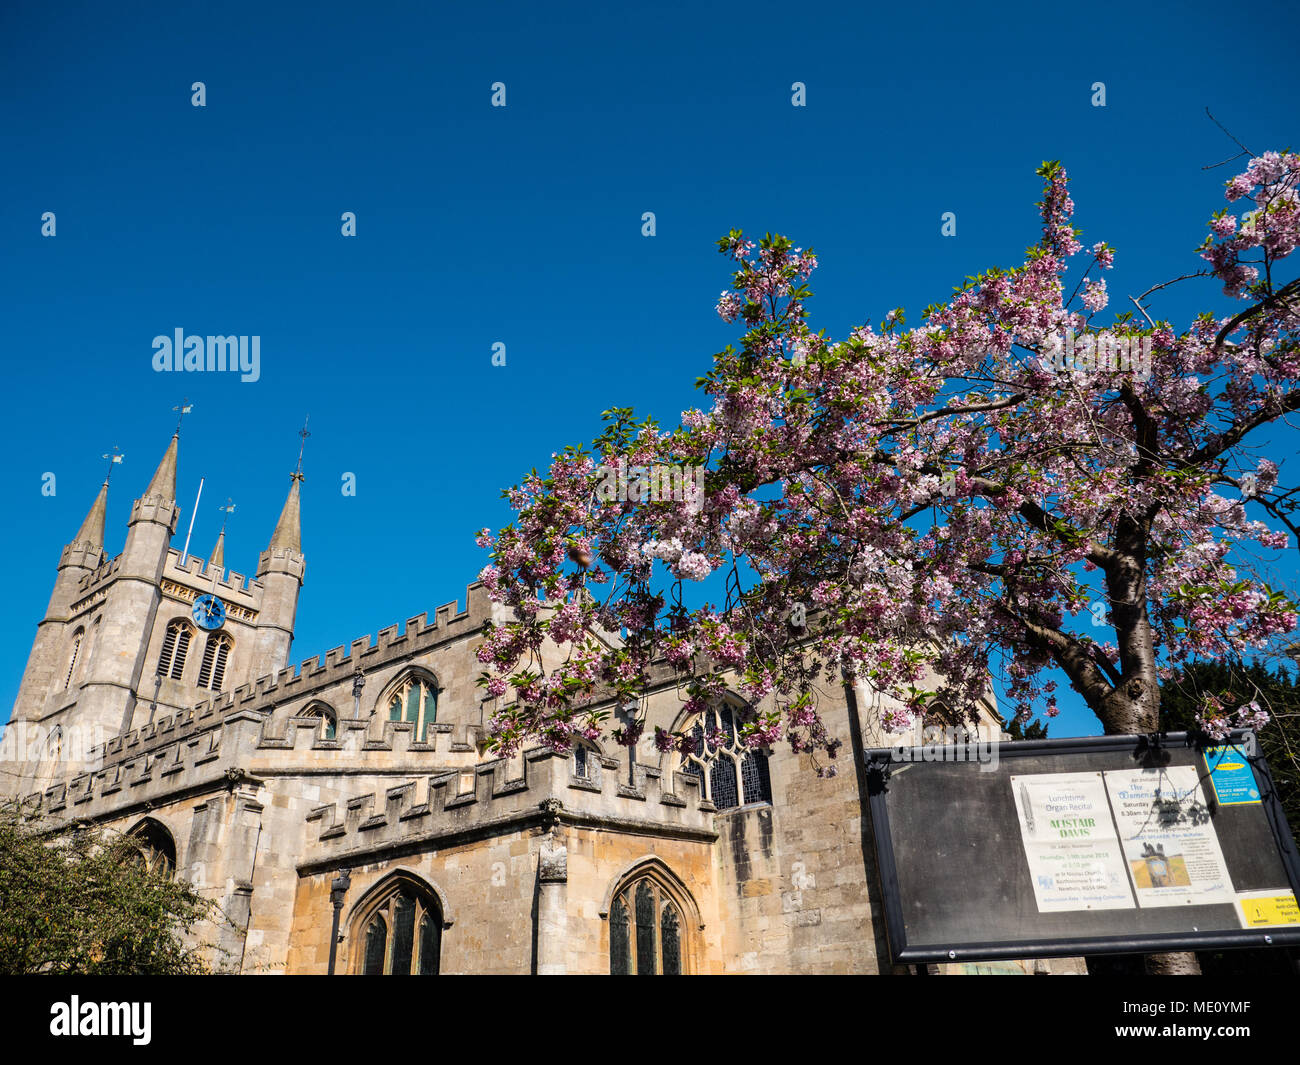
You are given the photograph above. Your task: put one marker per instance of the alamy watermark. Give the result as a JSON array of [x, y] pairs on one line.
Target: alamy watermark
[[620, 482], [214, 354], [956, 743], [1098, 353], [77, 1018], [79, 748]]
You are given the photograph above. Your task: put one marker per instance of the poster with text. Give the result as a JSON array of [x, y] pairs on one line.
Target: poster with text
[[1075, 859], [1231, 776], [1170, 845], [1274, 908]]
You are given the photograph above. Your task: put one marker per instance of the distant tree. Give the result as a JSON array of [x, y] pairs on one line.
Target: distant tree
[[1030, 730], [1205, 687], [78, 901]]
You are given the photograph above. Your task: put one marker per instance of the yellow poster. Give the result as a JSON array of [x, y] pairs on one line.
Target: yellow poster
[[1267, 909]]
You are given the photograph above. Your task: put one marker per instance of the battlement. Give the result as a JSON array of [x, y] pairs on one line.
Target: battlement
[[369, 653], [230, 585], [352, 735], [281, 560], [489, 796], [194, 747], [314, 674], [82, 555], [143, 776], [101, 573], [156, 509]]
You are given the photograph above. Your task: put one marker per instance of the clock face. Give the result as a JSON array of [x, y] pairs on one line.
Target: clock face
[[209, 612]]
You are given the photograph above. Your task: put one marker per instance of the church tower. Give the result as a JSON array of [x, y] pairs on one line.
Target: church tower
[[148, 633], [280, 570], [54, 646], [131, 597]]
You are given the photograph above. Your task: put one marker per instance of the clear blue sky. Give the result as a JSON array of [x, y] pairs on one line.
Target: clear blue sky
[[522, 226]]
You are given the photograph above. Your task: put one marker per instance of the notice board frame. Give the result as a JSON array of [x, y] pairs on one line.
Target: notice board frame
[[880, 761]]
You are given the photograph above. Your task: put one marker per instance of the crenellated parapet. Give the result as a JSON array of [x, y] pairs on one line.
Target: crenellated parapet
[[356, 737], [194, 750], [540, 786], [317, 675], [100, 574], [281, 560], [231, 586], [155, 508], [82, 555], [142, 778]]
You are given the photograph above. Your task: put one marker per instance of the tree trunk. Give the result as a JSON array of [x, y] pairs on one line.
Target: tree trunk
[[1180, 963], [1133, 707]]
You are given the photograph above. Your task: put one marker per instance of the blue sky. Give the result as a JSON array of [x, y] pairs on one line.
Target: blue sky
[[522, 225]]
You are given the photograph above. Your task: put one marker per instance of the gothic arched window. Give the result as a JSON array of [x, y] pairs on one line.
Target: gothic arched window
[[155, 850], [77, 637], [399, 933], [730, 774], [645, 930], [212, 670], [176, 645], [322, 713], [586, 762], [414, 699]]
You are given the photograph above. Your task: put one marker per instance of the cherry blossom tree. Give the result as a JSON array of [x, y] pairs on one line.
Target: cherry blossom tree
[[1018, 483]]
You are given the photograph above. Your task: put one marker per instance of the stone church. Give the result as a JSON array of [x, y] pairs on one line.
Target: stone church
[[159, 700]]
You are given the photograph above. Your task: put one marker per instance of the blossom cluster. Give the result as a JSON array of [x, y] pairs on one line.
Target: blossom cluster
[[944, 504]]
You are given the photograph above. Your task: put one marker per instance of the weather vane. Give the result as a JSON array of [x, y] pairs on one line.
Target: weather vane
[[228, 509], [297, 474], [114, 457], [184, 408]]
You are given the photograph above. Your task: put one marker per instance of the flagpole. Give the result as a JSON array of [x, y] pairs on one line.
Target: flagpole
[[193, 514]]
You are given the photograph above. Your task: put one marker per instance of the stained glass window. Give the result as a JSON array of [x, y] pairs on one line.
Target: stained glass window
[[755, 777], [325, 715], [644, 931], [376, 947], [403, 934], [718, 754], [416, 942], [155, 848], [722, 783], [620, 949], [430, 944], [670, 937], [415, 700]]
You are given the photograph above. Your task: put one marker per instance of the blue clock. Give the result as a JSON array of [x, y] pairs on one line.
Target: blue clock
[[209, 612]]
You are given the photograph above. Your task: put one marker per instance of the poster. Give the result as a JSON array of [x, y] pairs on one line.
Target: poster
[[1268, 909], [1170, 846], [1231, 776], [1075, 858]]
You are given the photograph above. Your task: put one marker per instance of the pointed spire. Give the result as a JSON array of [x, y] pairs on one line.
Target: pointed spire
[[288, 530], [217, 560], [92, 529], [164, 478]]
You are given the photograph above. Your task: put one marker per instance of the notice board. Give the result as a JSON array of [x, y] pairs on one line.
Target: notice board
[[1100, 845]]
